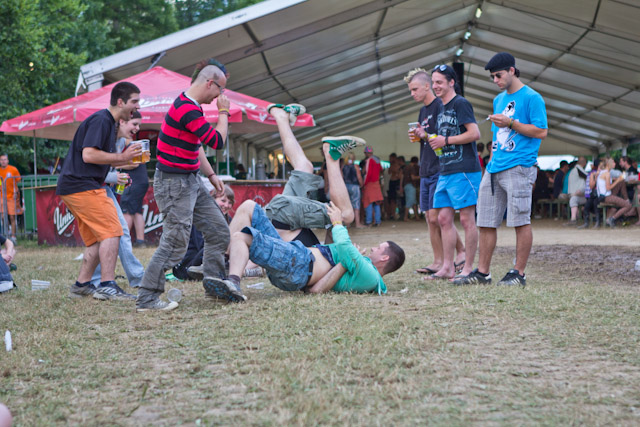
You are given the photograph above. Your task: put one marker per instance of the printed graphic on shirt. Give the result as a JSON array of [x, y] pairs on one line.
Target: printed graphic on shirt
[[448, 126], [505, 137]]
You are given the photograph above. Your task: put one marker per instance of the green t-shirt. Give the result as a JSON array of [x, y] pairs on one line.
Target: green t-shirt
[[361, 275]]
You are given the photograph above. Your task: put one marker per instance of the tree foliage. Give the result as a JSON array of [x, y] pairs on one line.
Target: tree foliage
[[38, 66], [44, 43], [192, 12]]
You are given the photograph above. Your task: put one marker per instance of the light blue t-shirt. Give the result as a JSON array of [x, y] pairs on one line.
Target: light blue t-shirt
[[510, 149]]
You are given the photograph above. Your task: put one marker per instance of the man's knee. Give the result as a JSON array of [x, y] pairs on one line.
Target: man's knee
[[348, 216], [246, 207], [243, 237], [432, 218], [467, 217]]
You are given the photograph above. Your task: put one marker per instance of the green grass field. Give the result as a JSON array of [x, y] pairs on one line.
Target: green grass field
[[565, 350]]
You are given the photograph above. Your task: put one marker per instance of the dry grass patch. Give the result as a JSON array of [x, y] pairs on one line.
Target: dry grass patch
[[562, 351]]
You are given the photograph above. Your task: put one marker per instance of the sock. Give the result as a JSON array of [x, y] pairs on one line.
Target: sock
[[106, 282], [81, 285], [235, 279]]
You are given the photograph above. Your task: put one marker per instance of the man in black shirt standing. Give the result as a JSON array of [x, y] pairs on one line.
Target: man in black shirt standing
[[460, 171], [419, 82], [90, 155]]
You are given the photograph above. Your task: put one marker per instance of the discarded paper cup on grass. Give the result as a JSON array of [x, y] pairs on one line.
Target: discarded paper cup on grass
[[38, 285]]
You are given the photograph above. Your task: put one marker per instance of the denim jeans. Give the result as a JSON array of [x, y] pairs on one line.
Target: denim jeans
[[5, 274], [132, 267], [368, 212], [183, 201]]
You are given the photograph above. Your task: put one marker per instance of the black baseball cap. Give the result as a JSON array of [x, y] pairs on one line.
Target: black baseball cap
[[500, 61]]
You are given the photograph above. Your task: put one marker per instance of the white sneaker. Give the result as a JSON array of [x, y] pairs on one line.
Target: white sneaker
[[157, 305], [6, 286]]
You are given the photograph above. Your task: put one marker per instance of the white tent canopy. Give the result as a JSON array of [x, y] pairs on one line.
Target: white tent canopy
[[345, 61]]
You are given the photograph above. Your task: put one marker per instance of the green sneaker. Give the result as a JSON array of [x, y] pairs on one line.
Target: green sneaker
[[169, 277], [342, 144], [294, 111], [270, 106]]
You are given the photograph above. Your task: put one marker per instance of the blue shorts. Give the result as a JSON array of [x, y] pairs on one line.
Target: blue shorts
[[457, 190], [354, 195], [410, 195], [288, 264], [427, 191]]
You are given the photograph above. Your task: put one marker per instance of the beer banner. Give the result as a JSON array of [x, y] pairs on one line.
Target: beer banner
[[259, 193], [58, 226]]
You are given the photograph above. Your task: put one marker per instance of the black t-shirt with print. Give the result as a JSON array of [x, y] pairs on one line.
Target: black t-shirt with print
[[429, 162], [457, 158], [99, 131]]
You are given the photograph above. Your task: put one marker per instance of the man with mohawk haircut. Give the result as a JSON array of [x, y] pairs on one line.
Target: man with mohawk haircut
[[179, 192]]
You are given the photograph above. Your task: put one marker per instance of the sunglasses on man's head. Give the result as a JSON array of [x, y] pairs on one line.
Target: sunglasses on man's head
[[441, 67]]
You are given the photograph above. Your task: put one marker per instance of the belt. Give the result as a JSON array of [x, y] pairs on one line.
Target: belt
[[162, 173], [310, 269]]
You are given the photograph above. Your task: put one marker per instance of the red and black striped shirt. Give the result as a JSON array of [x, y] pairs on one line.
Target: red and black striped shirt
[[183, 131]]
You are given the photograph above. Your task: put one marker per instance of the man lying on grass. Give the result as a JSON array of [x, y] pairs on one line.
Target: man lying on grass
[[291, 266]]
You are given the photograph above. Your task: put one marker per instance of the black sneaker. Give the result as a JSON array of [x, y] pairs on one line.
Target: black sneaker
[[180, 272], [79, 290], [111, 291], [513, 278], [223, 289], [473, 278]]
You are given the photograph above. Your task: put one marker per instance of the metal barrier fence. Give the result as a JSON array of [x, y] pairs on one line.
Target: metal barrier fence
[[11, 206], [18, 203]]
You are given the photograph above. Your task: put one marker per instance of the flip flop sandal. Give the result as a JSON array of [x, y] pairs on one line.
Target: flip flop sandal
[[459, 265], [425, 270], [435, 277]]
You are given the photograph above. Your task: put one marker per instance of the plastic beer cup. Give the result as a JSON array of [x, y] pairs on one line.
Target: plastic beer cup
[[412, 136], [145, 156]]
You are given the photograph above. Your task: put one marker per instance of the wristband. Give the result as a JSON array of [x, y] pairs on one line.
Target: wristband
[[446, 140], [210, 175], [511, 124], [336, 223], [224, 111]]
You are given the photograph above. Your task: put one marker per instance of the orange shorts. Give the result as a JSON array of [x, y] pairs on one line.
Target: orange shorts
[[96, 215], [13, 207]]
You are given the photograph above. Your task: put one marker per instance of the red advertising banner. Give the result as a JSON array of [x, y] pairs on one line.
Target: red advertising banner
[[57, 226], [259, 193]]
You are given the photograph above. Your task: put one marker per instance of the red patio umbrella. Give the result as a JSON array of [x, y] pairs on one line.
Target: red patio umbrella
[[159, 87]]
